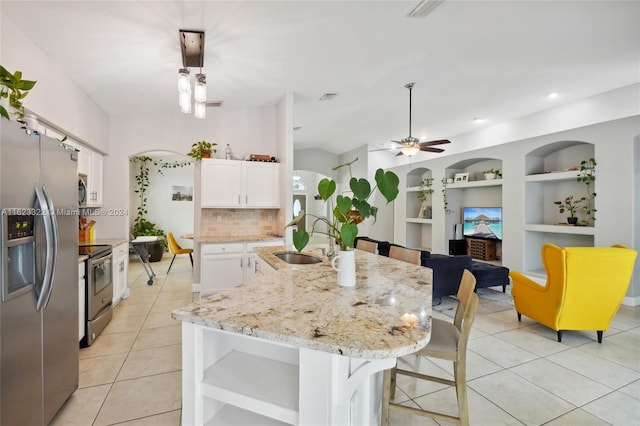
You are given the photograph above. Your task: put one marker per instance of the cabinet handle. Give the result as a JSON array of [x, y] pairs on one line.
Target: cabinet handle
[[241, 262], [238, 198], [255, 267], [246, 199], [249, 262]]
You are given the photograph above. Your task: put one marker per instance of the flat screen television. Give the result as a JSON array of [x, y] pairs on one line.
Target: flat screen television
[[482, 222]]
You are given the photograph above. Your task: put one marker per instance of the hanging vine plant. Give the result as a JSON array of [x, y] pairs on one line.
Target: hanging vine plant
[[587, 175], [444, 196]]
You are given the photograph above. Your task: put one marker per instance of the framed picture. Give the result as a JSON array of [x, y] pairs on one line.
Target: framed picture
[[461, 177]]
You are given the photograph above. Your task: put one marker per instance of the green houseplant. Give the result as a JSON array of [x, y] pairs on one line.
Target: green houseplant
[[425, 189], [570, 205], [587, 175], [13, 87], [348, 212], [141, 225], [202, 149], [491, 173]]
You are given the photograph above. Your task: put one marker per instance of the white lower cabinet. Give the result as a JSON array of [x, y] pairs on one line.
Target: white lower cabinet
[[228, 265], [81, 297], [120, 268], [233, 379]]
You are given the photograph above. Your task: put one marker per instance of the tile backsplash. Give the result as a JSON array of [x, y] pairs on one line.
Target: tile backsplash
[[224, 223]]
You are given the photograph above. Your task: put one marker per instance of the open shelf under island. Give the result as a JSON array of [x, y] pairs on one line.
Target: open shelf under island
[[292, 347]]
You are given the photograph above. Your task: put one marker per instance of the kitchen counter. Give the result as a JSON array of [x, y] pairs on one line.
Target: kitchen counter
[[328, 343]]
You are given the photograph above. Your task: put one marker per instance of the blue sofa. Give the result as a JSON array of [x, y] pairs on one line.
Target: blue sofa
[[447, 270]]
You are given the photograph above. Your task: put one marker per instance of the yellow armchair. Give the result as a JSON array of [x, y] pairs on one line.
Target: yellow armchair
[[584, 289]]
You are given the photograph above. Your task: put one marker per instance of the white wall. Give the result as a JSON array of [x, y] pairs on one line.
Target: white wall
[[316, 160], [55, 99], [247, 130]]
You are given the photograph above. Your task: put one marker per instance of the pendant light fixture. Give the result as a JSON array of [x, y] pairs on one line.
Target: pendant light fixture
[[192, 47]]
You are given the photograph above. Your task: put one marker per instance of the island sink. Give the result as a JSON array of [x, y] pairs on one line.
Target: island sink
[[297, 258]]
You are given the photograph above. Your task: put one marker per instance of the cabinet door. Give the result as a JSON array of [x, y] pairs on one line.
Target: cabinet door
[[220, 271], [262, 185], [120, 267], [95, 180], [84, 161], [221, 183]]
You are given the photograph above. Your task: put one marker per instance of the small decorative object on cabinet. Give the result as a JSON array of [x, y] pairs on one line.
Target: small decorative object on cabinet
[[202, 149], [482, 249]]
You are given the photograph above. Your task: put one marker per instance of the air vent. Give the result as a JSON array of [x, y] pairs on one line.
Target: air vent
[[328, 96], [424, 8]]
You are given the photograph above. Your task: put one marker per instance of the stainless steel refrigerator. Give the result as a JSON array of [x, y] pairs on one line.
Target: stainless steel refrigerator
[[39, 261]]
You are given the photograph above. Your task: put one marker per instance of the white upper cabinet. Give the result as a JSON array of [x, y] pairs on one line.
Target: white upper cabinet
[[90, 163], [240, 184]]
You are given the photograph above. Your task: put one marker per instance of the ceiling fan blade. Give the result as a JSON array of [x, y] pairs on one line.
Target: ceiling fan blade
[[438, 142], [429, 149]]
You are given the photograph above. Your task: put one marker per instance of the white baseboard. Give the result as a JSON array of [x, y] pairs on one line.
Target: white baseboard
[[631, 301], [195, 287]]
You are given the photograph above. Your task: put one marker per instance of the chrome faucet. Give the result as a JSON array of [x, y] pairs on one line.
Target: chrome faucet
[[330, 252]]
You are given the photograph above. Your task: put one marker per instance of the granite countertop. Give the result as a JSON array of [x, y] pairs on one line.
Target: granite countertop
[[387, 314], [237, 238]]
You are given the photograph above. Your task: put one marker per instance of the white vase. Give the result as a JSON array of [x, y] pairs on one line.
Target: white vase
[[489, 176], [346, 268]]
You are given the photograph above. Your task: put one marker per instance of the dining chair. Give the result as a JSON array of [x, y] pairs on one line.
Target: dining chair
[[369, 246], [405, 254], [449, 342], [175, 249]]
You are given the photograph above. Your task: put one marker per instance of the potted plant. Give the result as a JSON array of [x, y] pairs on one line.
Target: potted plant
[[491, 173], [570, 205], [348, 212], [424, 191], [12, 86], [202, 149]]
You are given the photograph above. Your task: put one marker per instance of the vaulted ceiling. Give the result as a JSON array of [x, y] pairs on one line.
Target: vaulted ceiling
[[469, 59]]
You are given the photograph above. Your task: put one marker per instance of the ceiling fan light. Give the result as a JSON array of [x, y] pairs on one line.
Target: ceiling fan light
[[409, 150], [184, 83], [200, 110], [200, 91]]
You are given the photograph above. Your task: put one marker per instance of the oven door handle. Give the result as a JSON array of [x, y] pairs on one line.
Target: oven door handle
[[51, 213], [43, 289]]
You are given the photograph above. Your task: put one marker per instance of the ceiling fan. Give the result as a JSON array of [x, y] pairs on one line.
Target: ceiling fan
[[410, 146]]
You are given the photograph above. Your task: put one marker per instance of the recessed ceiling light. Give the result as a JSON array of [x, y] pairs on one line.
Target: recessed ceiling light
[[552, 95], [479, 120]]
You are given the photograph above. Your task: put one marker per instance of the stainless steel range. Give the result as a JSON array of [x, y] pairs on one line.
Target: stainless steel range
[[99, 290]]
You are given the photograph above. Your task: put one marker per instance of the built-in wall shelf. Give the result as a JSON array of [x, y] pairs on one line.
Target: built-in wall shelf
[[561, 229], [415, 220], [571, 175], [230, 415], [412, 189], [475, 184]]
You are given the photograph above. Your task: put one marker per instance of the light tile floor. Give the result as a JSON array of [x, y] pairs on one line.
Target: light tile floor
[[518, 374]]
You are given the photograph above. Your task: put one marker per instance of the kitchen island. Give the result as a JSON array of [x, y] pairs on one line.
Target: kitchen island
[[292, 347]]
